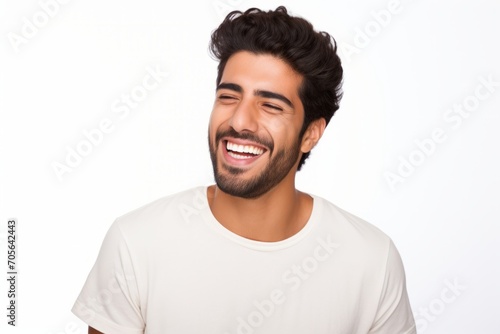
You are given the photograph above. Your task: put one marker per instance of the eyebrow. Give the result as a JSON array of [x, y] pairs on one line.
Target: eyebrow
[[230, 86], [262, 93]]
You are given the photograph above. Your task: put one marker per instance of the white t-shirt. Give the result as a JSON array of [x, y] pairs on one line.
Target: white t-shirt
[[171, 267]]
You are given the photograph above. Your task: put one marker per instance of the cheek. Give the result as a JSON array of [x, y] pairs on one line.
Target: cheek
[[219, 115], [213, 123], [282, 130], [217, 122]]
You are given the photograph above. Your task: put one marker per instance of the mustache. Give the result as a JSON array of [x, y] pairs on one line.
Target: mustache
[[244, 135]]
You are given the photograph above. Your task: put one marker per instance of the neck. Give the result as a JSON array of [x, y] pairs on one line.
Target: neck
[[274, 216]]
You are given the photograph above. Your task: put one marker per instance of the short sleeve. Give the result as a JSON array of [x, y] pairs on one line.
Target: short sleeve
[[394, 315], [109, 300]]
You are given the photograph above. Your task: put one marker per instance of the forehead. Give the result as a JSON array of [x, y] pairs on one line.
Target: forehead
[[261, 71]]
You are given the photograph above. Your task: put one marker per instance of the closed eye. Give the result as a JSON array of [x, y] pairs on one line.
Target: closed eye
[[273, 106], [225, 97]]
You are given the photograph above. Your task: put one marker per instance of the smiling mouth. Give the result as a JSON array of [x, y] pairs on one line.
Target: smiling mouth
[[243, 152]]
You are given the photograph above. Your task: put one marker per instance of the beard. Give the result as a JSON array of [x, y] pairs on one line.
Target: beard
[[280, 164]]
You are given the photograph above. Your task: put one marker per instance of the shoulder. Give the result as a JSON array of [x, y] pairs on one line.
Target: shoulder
[[166, 209], [363, 248], [361, 244], [349, 226]]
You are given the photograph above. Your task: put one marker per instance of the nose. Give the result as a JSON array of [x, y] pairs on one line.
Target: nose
[[244, 117]]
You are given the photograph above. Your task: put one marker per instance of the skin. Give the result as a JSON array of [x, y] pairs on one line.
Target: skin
[[281, 211]]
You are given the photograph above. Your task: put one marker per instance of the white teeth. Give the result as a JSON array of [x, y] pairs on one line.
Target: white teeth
[[238, 156], [244, 148]]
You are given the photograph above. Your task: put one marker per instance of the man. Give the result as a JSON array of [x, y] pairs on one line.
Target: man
[[252, 254]]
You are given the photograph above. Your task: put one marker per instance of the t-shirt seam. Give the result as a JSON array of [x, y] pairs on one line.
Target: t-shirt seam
[[379, 304], [136, 275], [411, 330], [101, 319]]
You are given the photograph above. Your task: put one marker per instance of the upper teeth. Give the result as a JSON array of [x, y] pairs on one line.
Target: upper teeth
[[244, 148]]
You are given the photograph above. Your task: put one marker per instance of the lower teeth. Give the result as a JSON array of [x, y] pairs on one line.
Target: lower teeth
[[238, 156]]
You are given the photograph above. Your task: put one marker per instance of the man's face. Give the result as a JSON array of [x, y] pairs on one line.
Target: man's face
[[255, 123]]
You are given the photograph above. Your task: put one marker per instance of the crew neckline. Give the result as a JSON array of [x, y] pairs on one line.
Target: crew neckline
[[210, 219]]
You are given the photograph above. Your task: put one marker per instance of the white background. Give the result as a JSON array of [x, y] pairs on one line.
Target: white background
[[402, 76]]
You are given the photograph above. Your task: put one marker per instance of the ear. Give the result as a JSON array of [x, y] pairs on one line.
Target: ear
[[312, 135]]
